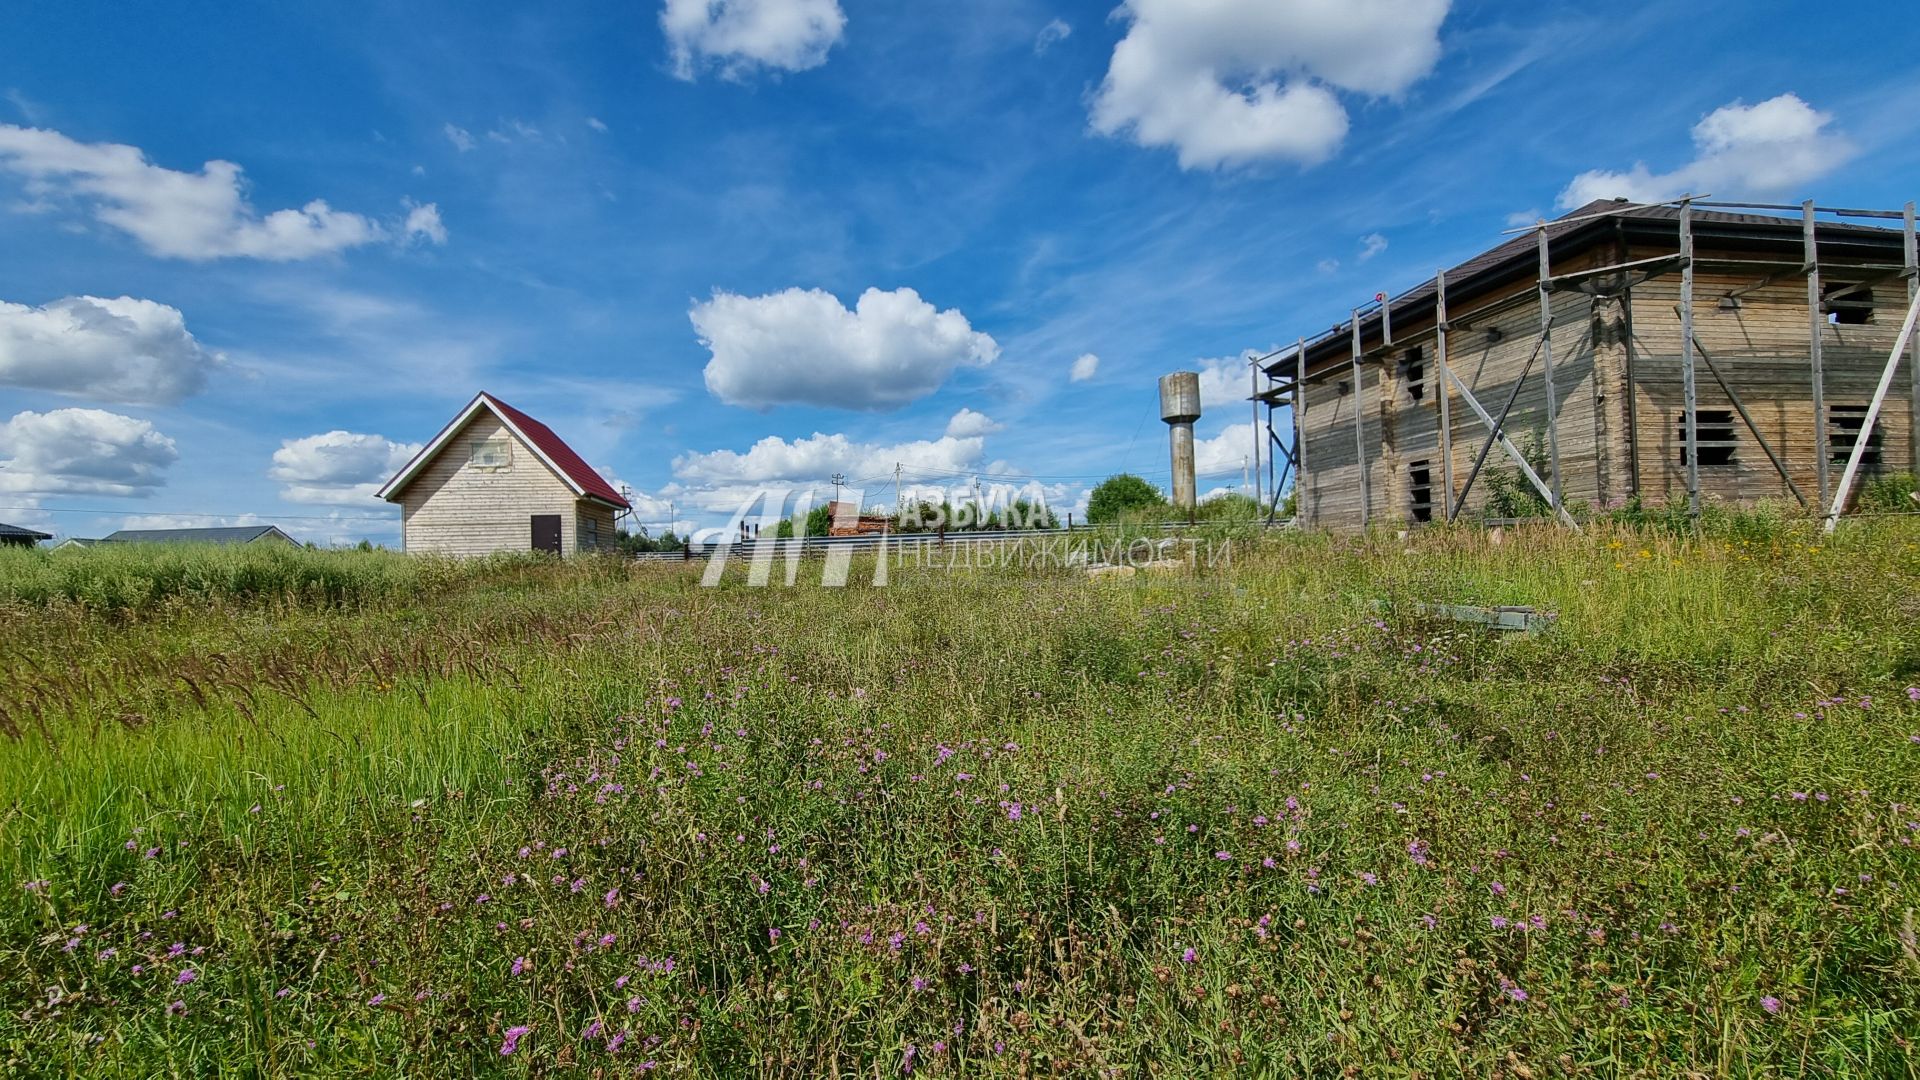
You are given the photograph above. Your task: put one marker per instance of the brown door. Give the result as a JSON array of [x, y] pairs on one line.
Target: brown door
[[546, 533]]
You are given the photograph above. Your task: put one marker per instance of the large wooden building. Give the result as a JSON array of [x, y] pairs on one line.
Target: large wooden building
[[1793, 320], [496, 479]]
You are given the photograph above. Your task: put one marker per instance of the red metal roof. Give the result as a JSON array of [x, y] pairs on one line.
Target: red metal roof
[[583, 475]]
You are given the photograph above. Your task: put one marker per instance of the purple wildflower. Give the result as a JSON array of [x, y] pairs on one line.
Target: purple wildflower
[[512, 1042]]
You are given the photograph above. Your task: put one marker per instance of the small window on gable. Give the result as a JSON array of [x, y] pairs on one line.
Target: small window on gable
[[1713, 430], [492, 453], [1843, 427], [1413, 374], [1847, 303], [1420, 489]]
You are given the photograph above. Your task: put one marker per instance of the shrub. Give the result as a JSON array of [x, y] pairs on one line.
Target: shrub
[[1121, 496]]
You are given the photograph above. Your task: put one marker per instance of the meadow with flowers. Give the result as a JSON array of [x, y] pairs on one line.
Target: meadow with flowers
[[355, 814]]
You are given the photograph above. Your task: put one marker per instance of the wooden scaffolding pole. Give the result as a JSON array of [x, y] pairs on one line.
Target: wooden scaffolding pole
[[1253, 395], [1815, 319], [1446, 388], [1299, 406], [1912, 271], [1861, 440], [1359, 425], [1690, 418], [1546, 357]]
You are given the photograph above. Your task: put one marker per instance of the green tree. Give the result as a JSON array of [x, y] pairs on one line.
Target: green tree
[[1122, 495], [819, 521]]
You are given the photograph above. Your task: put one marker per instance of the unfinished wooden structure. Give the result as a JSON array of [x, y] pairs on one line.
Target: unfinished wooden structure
[[1681, 351], [496, 479]]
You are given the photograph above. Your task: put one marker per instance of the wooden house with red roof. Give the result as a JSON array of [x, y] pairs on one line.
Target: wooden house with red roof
[[496, 479]]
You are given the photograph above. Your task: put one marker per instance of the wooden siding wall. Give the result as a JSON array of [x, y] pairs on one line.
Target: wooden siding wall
[[1602, 346], [596, 525], [1330, 488], [1761, 350], [452, 509]]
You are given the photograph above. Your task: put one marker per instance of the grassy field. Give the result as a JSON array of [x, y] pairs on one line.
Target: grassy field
[[352, 814]]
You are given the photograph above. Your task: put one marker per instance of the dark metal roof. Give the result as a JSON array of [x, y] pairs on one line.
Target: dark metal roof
[[241, 534], [1577, 231], [582, 474], [19, 532]]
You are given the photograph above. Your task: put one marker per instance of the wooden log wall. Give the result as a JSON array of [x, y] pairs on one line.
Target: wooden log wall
[[1616, 355]]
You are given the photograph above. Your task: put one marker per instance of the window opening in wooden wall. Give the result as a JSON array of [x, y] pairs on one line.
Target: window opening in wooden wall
[[1713, 432], [1420, 488], [1848, 303], [1843, 427], [1413, 372]]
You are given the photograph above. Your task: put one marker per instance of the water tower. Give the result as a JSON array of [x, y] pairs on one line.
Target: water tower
[[1180, 407]]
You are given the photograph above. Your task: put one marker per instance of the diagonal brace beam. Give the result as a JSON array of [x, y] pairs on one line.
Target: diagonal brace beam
[[1512, 451], [1873, 414]]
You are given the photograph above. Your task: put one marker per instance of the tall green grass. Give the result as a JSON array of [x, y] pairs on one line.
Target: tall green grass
[[1003, 822], [143, 577]]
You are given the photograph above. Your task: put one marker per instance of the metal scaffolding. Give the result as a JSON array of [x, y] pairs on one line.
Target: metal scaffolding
[[1287, 398]]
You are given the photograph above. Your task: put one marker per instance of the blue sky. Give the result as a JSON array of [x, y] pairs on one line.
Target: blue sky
[[682, 232]]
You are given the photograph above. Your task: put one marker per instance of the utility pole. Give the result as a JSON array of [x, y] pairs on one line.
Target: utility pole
[[1253, 363], [899, 497], [837, 479]]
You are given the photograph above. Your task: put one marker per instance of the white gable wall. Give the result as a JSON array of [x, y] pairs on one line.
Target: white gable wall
[[453, 508]]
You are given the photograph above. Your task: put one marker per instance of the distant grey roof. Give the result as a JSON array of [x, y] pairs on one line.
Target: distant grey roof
[[243, 534], [17, 531]]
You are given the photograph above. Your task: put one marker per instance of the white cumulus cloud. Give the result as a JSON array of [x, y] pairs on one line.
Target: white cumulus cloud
[[82, 452], [123, 350], [1084, 368], [1227, 82], [1740, 151], [966, 423], [739, 36], [181, 215], [813, 459], [726, 481], [190, 521], [338, 467], [460, 137], [1370, 245], [803, 346], [1225, 381], [423, 221], [1050, 35], [1226, 452]]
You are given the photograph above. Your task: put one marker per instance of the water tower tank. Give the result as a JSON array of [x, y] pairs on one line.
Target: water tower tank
[[1180, 397], [1180, 407]]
